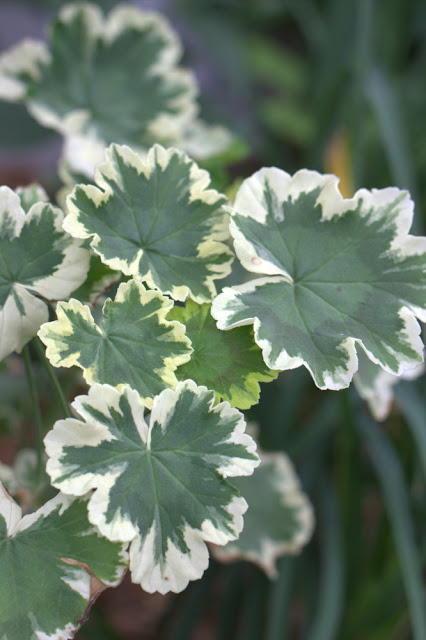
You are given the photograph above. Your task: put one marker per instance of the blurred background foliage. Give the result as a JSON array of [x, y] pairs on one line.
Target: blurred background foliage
[[337, 86]]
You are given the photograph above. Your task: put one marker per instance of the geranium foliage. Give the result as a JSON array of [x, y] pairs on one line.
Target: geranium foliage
[[53, 565], [109, 79], [228, 362], [279, 519], [155, 219], [327, 266], [134, 345], [159, 482], [38, 262]]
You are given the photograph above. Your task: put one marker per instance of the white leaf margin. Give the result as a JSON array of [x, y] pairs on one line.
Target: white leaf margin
[[145, 165], [177, 568], [63, 327], [17, 523], [288, 485], [379, 395], [249, 202], [17, 329], [27, 55], [74, 574]]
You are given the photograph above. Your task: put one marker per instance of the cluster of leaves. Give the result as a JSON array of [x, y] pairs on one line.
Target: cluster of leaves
[[172, 359]]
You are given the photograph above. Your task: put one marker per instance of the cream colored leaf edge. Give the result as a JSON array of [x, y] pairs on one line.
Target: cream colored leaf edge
[[176, 569], [50, 334], [250, 202], [223, 309], [285, 481], [209, 247]]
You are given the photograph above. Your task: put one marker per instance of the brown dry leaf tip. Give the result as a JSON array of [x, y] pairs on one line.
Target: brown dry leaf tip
[[96, 587]]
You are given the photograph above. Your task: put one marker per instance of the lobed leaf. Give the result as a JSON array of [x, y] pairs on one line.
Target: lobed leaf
[[279, 520], [156, 220], [230, 363], [53, 564], [37, 260], [335, 272], [159, 484], [106, 79], [135, 344]]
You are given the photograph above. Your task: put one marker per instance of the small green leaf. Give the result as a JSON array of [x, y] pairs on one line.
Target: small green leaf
[[135, 345], [279, 519], [37, 258], [159, 484], [156, 220], [53, 565], [335, 272], [230, 363], [107, 79]]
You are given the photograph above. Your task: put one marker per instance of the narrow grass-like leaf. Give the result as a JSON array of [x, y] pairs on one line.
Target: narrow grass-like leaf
[[325, 625], [390, 476], [159, 484], [412, 406]]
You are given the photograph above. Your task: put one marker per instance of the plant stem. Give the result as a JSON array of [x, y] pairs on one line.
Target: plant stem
[[53, 378], [38, 423]]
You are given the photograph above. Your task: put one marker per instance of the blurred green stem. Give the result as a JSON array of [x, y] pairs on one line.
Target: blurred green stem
[[53, 378], [38, 423]]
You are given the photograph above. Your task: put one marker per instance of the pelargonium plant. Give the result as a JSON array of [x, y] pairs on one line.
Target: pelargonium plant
[[153, 464]]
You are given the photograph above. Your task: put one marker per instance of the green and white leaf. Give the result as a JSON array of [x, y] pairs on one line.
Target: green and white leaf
[[37, 260], [159, 482], [279, 520], [31, 194], [229, 362], [202, 141], [155, 219], [375, 385], [113, 78], [53, 565], [135, 345], [335, 272]]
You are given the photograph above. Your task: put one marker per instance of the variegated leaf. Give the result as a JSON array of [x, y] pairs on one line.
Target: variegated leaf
[[159, 482], [229, 362], [38, 261], [156, 220], [375, 385], [134, 345], [279, 519], [53, 565], [335, 272], [111, 78]]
